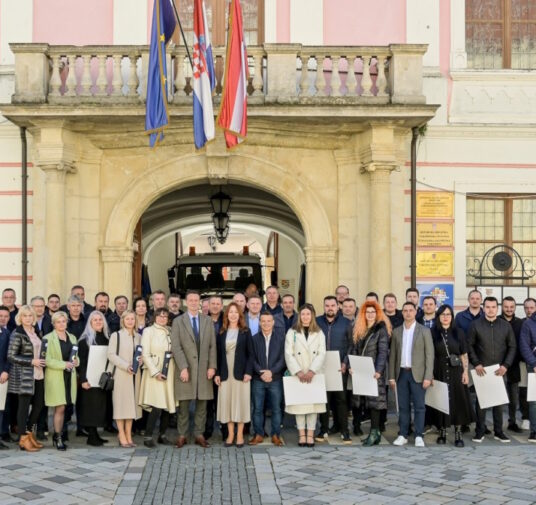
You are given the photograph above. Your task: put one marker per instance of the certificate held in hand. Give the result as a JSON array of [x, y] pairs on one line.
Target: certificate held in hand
[[437, 397], [490, 388], [363, 381], [303, 393], [332, 371], [135, 362], [165, 366]]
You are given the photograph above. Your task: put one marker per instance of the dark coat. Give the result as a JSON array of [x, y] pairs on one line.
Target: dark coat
[[464, 319], [397, 319], [276, 355], [91, 402], [242, 363], [514, 374], [114, 322], [11, 325], [338, 334], [289, 321], [376, 346], [20, 354], [76, 328], [491, 342], [527, 342], [46, 327], [5, 365]]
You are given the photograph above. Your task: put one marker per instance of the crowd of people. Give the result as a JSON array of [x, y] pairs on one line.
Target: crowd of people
[[226, 363]]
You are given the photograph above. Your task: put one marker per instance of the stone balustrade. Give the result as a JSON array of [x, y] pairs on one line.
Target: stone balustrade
[[278, 73]]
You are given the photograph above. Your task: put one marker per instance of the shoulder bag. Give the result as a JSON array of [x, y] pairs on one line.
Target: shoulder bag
[[454, 359], [106, 381]]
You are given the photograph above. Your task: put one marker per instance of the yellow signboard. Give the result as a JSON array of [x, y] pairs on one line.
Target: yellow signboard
[[435, 264], [434, 235], [435, 204]]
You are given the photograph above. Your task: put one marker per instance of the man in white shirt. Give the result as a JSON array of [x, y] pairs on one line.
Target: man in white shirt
[[411, 367]]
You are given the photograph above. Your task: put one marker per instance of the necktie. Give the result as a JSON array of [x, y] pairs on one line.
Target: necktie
[[195, 327]]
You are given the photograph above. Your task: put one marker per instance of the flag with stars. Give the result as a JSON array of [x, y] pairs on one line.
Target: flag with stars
[[156, 109]]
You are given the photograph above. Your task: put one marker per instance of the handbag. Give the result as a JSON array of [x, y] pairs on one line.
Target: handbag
[[454, 359], [106, 380]]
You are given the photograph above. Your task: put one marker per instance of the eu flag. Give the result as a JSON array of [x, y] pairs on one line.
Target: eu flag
[[156, 111]]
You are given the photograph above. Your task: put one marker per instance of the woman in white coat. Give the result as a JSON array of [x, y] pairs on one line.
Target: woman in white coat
[[305, 353], [157, 390]]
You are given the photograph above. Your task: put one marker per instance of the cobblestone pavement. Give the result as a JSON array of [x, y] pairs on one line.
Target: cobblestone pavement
[[490, 473]]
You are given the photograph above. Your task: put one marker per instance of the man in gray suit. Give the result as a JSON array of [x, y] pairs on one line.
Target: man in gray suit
[[193, 344], [411, 369]]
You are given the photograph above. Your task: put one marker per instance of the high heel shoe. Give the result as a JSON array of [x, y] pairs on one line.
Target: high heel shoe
[[33, 440], [58, 443], [25, 444], [311, 443], [228, 444], [300, 443], [373, 439]]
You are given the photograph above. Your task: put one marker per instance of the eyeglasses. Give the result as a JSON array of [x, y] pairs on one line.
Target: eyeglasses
[[445, 314], [370, 312]]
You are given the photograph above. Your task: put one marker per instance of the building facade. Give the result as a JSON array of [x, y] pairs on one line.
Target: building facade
[[336, 88]]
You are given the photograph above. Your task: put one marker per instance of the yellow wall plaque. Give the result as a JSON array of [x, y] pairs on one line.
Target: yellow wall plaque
[[435, 235], [435, 264], [435, 204]]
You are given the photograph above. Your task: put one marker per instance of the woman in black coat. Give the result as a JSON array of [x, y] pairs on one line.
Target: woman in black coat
[[372, 331], [234, 374], [26, 377], [451, 366], [92, 400]]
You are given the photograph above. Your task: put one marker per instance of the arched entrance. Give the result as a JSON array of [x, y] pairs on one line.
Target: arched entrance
[[229, 168]]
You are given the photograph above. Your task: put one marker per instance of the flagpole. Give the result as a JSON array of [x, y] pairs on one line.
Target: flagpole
[[182, 33]]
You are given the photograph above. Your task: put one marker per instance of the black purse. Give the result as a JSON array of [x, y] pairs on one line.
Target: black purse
[[106, 381], [454, 359]]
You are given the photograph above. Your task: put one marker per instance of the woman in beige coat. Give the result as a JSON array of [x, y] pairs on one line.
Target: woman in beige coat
[[157, 393], [126, 383], [305, 353]]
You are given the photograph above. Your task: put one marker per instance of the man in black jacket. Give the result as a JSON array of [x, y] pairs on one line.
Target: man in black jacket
[[267, 353], [513, 376], [338, 332], [391, 311], [43, 323], [491, 341], [80, 293]]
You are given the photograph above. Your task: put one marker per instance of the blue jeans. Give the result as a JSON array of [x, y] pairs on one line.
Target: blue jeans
[[408, 390], [274, 391]]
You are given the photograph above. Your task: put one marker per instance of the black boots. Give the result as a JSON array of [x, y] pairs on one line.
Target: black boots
[[458, 438], [57, 441], [93, 438], [442, 439]]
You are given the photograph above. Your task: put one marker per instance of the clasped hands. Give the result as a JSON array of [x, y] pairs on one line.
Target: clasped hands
[[306, 377]]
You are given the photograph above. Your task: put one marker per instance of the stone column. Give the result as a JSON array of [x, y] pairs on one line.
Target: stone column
[[321, 266], [117, 270], [380, 279]]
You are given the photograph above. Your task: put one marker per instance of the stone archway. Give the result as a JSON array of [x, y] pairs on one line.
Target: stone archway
[[219, 168]]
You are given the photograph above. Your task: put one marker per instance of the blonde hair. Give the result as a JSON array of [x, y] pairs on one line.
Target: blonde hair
[[25, 309], [59, 315], [125, 314]]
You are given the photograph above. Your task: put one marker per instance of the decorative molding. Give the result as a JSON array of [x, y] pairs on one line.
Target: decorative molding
[[320, 254], [117, 254]]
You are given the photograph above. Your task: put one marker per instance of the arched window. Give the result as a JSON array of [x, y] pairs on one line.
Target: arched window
[[500, 34]]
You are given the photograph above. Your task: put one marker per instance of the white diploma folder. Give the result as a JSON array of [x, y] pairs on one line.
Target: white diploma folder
[[363, 381], [3, 395], [302, 393], [96, 363], [437, 397], [531, 387], [332, 373], [490, 388]]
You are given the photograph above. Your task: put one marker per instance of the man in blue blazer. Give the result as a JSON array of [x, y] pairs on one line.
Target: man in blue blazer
[[4, 363], [267, 353]]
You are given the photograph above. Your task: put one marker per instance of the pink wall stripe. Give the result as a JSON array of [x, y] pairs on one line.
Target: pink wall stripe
[[73, 22], [362, 22], [283, 21]]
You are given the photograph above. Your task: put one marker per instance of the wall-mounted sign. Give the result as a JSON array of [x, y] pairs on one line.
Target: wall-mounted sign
[[435, 264], [435, 204], [443, 293], [435, 235]]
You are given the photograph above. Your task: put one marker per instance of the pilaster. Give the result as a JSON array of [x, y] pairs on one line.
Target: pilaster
[[117, 269], [321, 264]]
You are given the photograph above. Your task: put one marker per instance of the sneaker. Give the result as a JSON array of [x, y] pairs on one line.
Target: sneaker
[[514, 427], [346, 439], [400, 441], [478, 438], [501, 437], [322, 437], [419, 442], [525, 424], [532, 437]]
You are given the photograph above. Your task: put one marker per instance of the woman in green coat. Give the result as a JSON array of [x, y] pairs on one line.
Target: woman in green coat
[[60, 374]]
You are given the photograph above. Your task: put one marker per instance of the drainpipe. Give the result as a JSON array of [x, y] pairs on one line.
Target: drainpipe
[[413, 263], [24, 214]]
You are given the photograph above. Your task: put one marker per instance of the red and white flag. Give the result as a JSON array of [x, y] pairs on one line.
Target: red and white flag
[[233, 110]]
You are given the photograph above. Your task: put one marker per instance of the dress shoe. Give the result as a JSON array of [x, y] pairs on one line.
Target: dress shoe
[[181, 442], [149, 442], [35, 443], [200, 440], [81, 433], [25, 444], [163, 440], [277, 441], [257, 439]]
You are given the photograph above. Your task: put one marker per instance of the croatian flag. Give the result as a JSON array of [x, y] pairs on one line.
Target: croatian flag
[[204, 78], [233, 110]]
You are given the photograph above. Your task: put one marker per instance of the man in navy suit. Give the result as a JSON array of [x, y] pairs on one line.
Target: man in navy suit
[[4, 363], [267, 352]]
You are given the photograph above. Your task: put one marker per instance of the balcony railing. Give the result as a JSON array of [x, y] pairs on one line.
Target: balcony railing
[[284, 73]]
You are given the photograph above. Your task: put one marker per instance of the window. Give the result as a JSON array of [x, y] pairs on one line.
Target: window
[[500, 34], [501, 219]]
